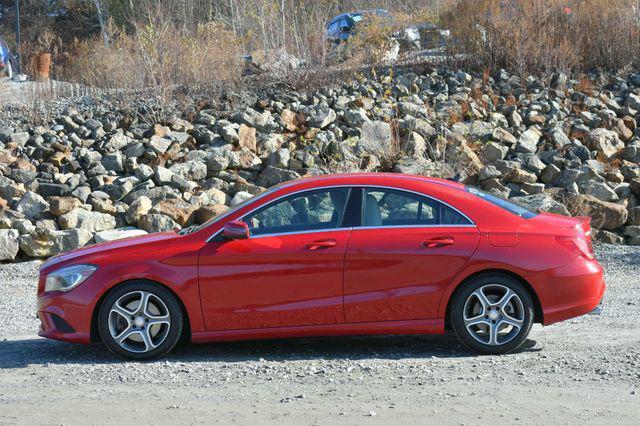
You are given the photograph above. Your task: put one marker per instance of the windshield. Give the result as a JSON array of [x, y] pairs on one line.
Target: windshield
[[502, 203], [235, 208]]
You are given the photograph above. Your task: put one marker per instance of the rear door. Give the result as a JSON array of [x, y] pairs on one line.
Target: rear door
[[406, 251]]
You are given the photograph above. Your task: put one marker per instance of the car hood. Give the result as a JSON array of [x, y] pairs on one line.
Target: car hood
[[106, 246]]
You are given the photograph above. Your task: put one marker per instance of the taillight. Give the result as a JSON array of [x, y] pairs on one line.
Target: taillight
[[581, 246]]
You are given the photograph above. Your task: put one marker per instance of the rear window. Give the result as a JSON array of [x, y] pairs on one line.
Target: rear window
[[502, 203]]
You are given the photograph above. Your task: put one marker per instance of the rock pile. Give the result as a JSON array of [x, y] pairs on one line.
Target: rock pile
[[568, 147]]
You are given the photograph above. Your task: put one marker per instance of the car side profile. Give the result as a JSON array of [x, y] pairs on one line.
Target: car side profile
[[333, 255]]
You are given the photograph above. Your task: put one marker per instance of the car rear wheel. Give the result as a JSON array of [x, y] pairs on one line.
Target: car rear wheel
[[492, 314], [140, 320]]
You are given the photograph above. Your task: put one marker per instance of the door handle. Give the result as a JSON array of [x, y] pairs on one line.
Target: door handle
[[321, 244], [438, 242]]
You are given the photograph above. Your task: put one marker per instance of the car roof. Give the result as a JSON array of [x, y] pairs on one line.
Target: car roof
[[368, 178], [379, 12]]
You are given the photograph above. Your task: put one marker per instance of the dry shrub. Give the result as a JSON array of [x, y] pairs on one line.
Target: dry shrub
[[156, 54], [539, 36]]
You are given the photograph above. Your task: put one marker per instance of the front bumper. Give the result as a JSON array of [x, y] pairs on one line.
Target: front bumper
[[65, 316]]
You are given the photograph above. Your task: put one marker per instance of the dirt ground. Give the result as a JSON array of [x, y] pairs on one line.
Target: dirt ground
[[585, 370]]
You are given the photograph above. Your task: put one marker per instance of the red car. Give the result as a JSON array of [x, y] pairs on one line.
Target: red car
[[325, 256]]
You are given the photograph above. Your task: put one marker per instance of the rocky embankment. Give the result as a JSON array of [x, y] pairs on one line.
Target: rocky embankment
[[564, 146]]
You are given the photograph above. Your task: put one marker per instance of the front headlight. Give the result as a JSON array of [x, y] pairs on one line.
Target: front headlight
[[65, 279]]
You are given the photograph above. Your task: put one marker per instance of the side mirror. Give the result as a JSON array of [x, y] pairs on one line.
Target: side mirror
[[344, 29], [235, 230]]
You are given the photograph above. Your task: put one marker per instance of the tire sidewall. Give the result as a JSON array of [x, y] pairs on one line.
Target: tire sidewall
[[457, 317], [175, 311]]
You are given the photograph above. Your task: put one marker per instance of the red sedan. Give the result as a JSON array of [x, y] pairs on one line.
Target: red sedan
[[325, 256]]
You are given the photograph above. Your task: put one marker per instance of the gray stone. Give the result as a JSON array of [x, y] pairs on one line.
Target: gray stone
[[20, 138], [9, 245], [191, 170], [159, 145], [493, 152], [89, 220], [272, 176], [117, 234], [376, 139], [137, 209], [528, 141], [113, 162], [600, 190], [605, 142], [240, 197], [32, 205], [46, 243], [550, 174], [541, 203], [157, 223], [322, 118], [356, 117], [117, 142]]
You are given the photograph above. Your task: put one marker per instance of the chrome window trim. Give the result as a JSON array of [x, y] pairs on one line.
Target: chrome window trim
[[471, 225]]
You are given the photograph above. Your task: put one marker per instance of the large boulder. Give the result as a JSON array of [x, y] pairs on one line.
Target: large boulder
[[157, 223], [272, 176], [528, 141], [46, 242], [117, 234], [62, 205], [89, 220], [32, 205], [137, 209], [178, 210], [604, 215], [376, 139], [605, 142], [541, 203]]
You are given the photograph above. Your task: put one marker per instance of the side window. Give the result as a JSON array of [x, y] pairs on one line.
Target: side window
[[388, 207], [309, 211]]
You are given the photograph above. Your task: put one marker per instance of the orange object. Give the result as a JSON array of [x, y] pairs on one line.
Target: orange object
[[43, 66]]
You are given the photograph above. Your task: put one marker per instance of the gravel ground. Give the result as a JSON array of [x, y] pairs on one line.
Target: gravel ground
[[582, 371]]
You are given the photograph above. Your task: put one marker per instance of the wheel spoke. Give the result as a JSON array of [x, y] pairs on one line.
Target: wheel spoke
[[480, 319], [159, 319], [123, 312], [504, 301], [493, 333], [147, 339], [126, 333], [506, 319], [144, 303], [482, 299]]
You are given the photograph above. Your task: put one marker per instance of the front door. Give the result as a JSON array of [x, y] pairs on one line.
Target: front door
[[288, 273], [407, 251]]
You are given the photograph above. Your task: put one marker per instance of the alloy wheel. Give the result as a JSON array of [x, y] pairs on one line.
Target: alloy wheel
[[493, 314], [139, 321]]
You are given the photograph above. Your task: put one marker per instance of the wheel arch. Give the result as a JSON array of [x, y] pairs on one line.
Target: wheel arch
[[538, 315], [95, 334]]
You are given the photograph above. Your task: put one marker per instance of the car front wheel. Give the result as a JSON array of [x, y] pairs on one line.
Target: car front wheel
[[492, 314], [140, 320]]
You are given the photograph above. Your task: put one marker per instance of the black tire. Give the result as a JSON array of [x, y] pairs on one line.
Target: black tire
[[164, 304], [466, 302]]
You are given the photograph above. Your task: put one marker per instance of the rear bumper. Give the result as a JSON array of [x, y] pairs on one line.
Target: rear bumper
[[570, 291], [598, 309]]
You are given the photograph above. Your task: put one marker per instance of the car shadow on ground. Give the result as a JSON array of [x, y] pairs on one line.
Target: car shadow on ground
[[33, 351]]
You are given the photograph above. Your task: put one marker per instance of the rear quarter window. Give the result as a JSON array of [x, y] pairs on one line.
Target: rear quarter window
[[502, 203]]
